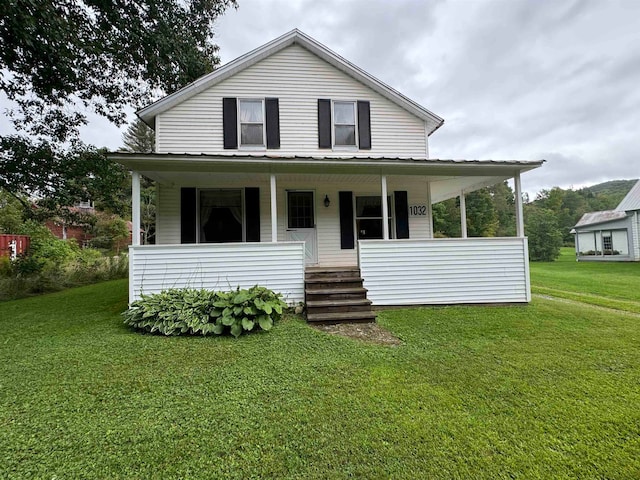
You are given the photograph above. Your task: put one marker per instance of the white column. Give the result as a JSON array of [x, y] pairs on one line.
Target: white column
[[385, 209], [429, 210], [463, 214], [135, 208], [274, 210], [519, 213]]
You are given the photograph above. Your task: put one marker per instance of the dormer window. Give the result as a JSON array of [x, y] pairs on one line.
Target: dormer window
[[344, 124], [251, 123]]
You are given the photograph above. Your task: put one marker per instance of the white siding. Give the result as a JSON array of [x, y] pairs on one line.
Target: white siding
[[620, 242], [167, 215], [298, 78], [278, 266], [586, 241], [327, 219], [635, 232], [445, 271]]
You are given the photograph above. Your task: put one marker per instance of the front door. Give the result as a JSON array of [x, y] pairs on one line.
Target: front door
[[301, 222]]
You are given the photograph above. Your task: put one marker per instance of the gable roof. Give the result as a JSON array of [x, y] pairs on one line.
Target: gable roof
[[593, 218], [148, 113], [632, 199]]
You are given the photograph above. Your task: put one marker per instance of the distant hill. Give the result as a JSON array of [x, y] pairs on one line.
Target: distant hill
[[614, 189]]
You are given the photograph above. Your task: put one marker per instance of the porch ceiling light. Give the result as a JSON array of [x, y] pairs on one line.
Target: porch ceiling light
[[327, 202]]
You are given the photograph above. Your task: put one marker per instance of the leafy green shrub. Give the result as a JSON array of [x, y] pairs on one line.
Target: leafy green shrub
[[6, 269], [46, 252], [545, 237], [181, 311]]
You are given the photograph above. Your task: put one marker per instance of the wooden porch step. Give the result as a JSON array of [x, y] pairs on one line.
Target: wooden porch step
[[341, 290], [333, 303], [324, 273], [336, 295], [343, 317], [339, 306], [328, 282]]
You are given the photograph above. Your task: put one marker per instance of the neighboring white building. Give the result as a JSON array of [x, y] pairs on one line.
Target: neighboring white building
[[611, 235], [289, 157]]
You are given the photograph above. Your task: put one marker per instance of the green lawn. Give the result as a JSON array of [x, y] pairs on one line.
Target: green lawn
[[545, 391], [608, 284]]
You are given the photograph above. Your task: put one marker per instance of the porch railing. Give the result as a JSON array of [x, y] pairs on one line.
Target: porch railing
[[222, 266], [445, 270]]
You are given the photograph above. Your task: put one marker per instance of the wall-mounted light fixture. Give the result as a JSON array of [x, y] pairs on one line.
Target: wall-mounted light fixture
[[327, 202]]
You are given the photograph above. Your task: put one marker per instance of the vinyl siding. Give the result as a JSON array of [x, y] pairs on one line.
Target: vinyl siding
[[635, 234], [278, 266], [298, 78], [445, 271], [327, 219]]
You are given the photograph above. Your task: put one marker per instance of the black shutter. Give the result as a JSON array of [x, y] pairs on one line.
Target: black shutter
[[324, 124], [347, 241], [273, 122], [364, 126], [252, 213], [401, 214], [188, 215], [230, 122]]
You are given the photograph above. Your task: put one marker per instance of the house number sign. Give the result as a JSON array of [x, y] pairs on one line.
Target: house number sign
[[417, 210]]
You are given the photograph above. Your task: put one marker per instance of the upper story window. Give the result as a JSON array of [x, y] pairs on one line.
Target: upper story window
[[251, 123], [344, 124]]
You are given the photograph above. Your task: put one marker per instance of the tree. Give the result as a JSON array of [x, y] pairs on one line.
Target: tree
[[482, 220], [545, 237], [55, 178], [10, 213], [139, 137], [505, 207], [65, 57]]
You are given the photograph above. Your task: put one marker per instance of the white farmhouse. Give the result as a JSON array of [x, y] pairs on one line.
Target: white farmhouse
[[291, 161], [611, 235]]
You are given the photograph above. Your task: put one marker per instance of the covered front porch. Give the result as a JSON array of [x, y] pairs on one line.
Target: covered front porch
[[228, 221]]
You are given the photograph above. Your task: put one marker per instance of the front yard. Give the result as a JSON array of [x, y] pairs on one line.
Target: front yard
[[544, 391]]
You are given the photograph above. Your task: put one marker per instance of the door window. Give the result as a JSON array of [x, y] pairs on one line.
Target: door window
[[300, 210]]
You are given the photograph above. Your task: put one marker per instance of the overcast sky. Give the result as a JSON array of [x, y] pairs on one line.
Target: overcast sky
[[558, 80]]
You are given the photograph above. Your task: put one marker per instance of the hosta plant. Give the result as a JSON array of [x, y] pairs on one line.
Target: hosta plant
[[184, 311]]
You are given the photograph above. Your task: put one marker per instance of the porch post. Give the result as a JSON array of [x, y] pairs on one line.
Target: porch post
[[463, 215], [274, 210], [519, 213], [429, 210], [385, 209], [135, 208]]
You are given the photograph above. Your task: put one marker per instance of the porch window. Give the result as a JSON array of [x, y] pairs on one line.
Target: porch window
[[607, 243], [251, 120], [369, 217], [344, 124], [221, 216]]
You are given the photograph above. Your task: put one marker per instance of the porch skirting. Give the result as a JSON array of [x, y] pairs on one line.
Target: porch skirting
[[220, 266], [445, 271]]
